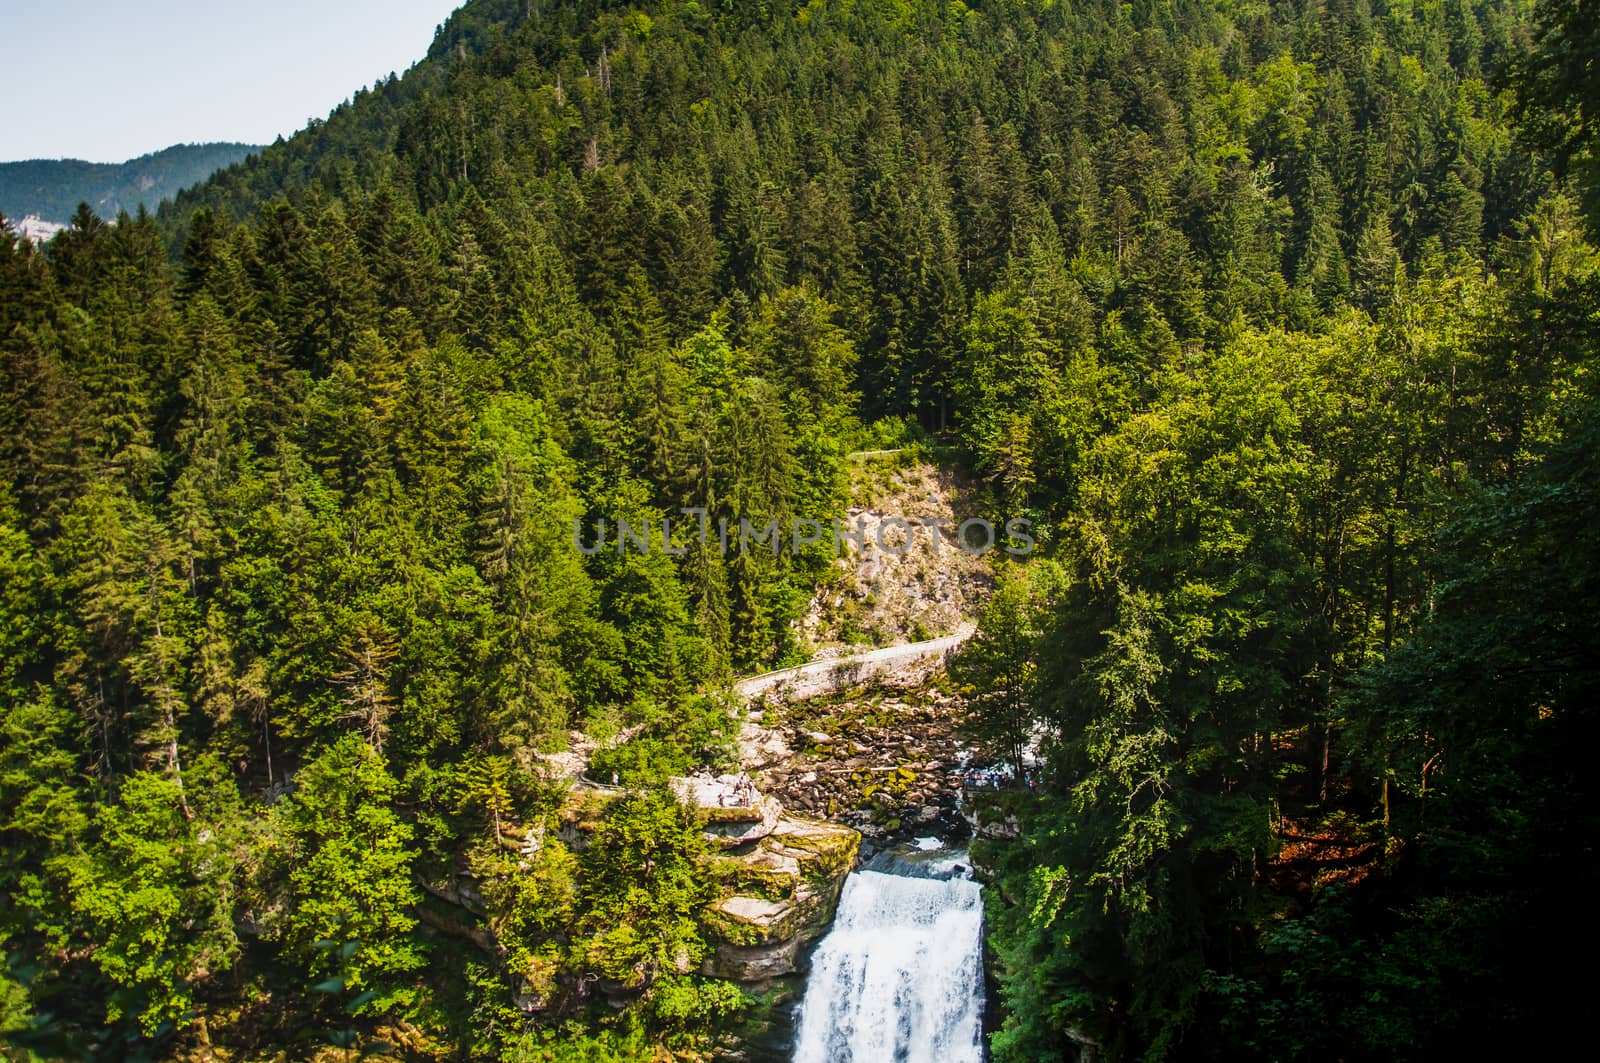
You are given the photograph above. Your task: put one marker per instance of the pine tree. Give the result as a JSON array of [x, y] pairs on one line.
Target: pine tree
[[366, 676]]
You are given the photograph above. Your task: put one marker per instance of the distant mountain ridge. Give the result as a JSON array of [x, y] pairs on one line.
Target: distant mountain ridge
[[51, 189]]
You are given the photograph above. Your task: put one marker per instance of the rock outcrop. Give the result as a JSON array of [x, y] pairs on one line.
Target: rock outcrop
[[780, 876], [918, 588], [735, 812], [785, 890]]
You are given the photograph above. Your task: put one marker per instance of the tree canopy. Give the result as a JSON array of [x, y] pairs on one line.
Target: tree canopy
[[1278, 320]]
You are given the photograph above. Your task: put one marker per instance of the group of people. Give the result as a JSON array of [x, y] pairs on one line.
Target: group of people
[[743, 793]]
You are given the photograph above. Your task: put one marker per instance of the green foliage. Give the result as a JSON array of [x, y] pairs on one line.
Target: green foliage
[[53, 188], [999, 665], [350, 875], [1278, 320], [44, 819], [685, 1008], [577, 1046], [697, 735], [157, 894], [338, 989], [1303, 619], [640, 890], [534, 902], [1557, 102]]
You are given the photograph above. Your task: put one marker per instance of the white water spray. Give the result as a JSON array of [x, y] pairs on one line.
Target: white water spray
[[899, 978]]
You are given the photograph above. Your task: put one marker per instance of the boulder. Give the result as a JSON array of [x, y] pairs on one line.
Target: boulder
[[753, 965]]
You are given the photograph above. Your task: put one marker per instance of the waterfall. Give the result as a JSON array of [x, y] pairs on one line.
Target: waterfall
[[899, 978]]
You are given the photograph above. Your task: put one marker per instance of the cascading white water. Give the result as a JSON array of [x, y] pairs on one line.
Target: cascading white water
[[899, 977]]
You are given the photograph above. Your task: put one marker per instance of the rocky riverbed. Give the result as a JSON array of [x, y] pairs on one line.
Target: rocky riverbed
[[885, 761]]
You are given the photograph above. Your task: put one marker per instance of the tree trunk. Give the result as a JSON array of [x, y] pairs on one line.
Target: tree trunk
[[1327, 756]]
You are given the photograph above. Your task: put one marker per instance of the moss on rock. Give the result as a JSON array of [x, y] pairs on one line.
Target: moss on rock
[[778, 895]]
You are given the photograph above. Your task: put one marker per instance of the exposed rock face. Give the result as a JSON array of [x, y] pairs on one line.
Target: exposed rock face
[[733, 827], [915, 589], [995, 820], [786, 889], [1007, 826], [735, 812], [991, 815], [37, 229]]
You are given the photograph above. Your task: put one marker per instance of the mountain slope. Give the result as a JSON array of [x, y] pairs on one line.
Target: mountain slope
[[1266, 315], [51, 189]]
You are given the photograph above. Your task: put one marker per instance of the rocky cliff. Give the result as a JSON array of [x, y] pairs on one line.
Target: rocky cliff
[[784, 890]]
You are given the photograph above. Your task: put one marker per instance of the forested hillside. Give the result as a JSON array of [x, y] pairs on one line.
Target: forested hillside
[[52, 188], [1279, 320]]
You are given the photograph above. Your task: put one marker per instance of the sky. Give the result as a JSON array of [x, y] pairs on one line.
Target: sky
[[108, 81]]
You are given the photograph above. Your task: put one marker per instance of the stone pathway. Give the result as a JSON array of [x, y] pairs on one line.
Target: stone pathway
[[905, 665]]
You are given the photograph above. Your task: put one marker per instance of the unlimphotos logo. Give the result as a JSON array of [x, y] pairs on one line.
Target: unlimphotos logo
[[893, 535]]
